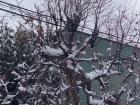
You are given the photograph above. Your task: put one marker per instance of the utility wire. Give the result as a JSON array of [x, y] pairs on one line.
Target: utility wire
[[36, 13], [33, 18], [18, 14], [28, 16], [12, 5], [18, 7]]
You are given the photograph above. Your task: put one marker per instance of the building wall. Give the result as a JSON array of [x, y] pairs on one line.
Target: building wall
[[101, 46]]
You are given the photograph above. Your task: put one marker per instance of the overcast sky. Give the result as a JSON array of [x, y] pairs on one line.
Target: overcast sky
[[26, 3], [29, 4]]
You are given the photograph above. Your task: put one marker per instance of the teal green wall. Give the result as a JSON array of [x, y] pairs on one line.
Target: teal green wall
[[101, 46]]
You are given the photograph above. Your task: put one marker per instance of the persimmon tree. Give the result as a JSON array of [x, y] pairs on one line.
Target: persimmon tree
[[44, 63]]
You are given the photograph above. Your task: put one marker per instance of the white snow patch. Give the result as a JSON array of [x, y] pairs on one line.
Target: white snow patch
[[108, 49], [22, 88], [52, 51], [137, 80], [22, 65], [10, 96], [69, 65], [78, 67], [96, 101], [130, 100], [130, 70], [87, 39], [53, 68], [97, 73], [94, 74], [73, 55], [13, 72], [6, 102]]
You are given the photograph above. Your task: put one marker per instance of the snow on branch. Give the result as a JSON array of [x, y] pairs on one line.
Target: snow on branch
[[54, 52], [98, 73]]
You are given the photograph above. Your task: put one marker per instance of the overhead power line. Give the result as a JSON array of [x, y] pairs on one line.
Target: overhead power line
[[18, 14], [19, 7], [22, 15], [27, 16]]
